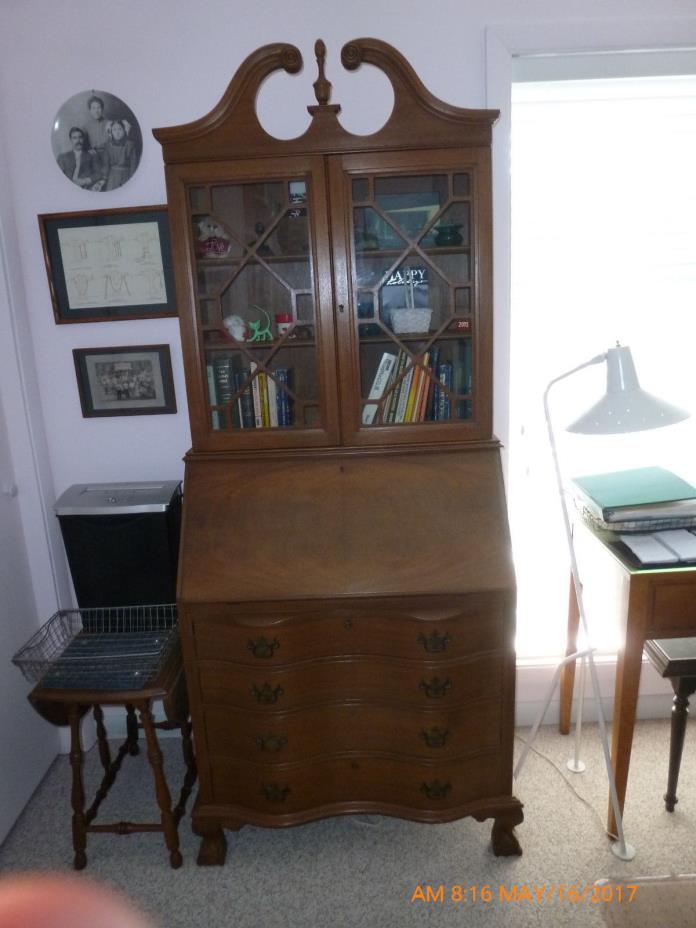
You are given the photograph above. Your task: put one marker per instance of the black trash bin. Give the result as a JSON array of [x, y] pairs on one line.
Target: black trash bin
[[122, 541]]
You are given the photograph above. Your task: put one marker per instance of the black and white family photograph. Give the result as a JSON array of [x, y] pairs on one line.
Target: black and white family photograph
[[96, 141]]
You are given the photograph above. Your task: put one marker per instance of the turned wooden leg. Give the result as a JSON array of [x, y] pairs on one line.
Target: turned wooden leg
[[213, 845], [79, 825], [164, 801], [191, 770], [104, 752], [683, 688], [132, 730], [503, 837]]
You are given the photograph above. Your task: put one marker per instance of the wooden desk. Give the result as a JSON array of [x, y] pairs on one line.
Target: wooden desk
[[652, 603]]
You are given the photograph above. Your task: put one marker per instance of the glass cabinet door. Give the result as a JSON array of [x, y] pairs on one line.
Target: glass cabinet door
[[412, 276], [257, 314]]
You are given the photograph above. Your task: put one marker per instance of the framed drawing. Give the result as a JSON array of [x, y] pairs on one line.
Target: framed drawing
[[129, 381], [109, 264]]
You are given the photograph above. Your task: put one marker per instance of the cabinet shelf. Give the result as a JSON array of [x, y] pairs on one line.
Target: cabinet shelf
[[412, 337], [266, 259], [259, 346], [428, 250]]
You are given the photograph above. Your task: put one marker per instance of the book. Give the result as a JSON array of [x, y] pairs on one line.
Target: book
[[423, 381], [378, 387], [272, 391], [432, 386], [648, 493], [223, 375], [245, 402], [212, 396], [283, 402], [444, 376], [263, 393], [256, 395], [398, 381], [403, 395], [412, 393]]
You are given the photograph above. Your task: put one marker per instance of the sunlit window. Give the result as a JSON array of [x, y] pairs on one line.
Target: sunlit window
[[603, 250]]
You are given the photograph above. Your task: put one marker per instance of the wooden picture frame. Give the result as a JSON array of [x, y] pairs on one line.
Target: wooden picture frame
[[135, 380], [109, 264]]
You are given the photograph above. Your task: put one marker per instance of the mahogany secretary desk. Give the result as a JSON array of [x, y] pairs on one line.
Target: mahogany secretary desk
[[346, 591]]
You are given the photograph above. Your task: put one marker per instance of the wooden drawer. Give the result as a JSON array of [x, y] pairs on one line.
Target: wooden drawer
[[276, 637], [313, 732], [338, 680], [674, 609], [292, 788]]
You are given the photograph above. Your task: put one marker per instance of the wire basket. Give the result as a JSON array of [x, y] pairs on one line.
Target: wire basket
[[107, 648], [412, 319]]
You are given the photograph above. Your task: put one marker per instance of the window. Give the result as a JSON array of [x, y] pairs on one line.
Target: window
[[603, 249]]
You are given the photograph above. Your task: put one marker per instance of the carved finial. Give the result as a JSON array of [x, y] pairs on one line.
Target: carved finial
[[322, 87]]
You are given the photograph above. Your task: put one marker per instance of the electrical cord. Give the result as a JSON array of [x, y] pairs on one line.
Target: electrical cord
[[570, 786]]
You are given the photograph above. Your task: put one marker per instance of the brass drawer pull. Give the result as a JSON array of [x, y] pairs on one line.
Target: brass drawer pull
[[274, 792], [434, 643], [436, 737], [435, 789], [271, 742], [436, 688], [265, 694], [262, 647]]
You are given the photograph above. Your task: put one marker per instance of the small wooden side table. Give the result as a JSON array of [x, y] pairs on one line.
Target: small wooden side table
[[68, 706], [675, 659], [650, 602]]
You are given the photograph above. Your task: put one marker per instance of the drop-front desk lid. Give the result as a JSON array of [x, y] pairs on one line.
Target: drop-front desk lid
[[112, 499], [330, 526]]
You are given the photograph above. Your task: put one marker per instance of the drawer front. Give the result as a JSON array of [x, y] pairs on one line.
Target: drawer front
[[281, 638], [314, 732], [338, 680], [292, 788], [675, 609]]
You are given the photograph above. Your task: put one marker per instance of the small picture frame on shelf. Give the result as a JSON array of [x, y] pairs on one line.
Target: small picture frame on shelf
[[109, 264], [125, 381]]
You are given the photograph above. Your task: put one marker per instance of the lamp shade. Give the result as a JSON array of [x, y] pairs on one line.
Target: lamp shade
[[625, 407]]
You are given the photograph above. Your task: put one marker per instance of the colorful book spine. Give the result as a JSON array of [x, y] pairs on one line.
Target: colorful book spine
[[423, 381], [432, 386], [283, 404], [256, 394], [212, 396], [413, 393], [224, 389], [379, 385], [403, 395], [444, 376], [272, 390], [245, 401], [263, 391], [397, 381]]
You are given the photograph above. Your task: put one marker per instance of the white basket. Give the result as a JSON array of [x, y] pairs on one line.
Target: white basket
[[410, 320]]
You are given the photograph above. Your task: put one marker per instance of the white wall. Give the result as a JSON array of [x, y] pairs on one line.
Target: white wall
[[170, 61]]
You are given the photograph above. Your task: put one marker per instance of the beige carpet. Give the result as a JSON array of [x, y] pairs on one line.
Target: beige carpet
[[367, 871]]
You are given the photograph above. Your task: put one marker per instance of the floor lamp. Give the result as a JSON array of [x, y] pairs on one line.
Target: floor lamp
[[625, 407]]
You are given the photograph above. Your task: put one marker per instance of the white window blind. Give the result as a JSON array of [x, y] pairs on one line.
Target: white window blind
[[603, 249]]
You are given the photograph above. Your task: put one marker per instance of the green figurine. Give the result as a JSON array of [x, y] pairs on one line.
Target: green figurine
[[259, 334]]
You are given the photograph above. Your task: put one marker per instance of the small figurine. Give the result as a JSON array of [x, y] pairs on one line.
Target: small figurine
[[213, 241], [260, 334], [236, 327]]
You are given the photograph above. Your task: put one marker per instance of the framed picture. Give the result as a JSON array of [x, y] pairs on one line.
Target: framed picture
[[109, 264], [130, 381]]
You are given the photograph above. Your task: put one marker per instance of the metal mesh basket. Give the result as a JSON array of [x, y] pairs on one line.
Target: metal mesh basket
[[108, 648]]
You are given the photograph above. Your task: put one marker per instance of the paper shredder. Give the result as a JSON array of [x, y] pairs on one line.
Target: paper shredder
[[122, 541]]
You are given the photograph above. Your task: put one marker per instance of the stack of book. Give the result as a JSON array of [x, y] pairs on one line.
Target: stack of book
[[263, 402], [646, 499], [410, 391]]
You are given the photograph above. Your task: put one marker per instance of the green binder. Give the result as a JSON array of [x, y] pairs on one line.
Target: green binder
[[646, 492]]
